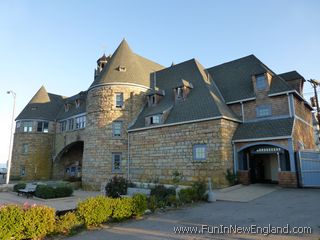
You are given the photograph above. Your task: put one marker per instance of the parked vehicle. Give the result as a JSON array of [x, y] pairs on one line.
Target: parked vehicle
[[3, 171]]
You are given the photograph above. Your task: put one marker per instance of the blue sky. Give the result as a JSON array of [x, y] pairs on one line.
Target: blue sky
[[56, 43]]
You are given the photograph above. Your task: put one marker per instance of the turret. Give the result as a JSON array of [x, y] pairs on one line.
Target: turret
[[101, 63]]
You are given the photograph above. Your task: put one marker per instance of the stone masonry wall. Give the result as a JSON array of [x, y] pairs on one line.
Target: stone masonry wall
[[157, 153], [99, 144]]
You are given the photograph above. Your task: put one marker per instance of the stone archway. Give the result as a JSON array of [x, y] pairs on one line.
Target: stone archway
[[68, 163]]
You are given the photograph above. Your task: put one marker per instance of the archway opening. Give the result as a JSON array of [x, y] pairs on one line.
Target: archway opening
[[68, 163], [264, 162]]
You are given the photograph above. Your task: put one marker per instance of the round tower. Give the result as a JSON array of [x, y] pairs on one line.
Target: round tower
[[114, 101]]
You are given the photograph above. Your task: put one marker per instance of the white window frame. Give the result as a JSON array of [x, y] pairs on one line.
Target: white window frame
[[117, 129], [80, 122], [263, 111], [114, 169], [63, 126], [200, 152], [261, 82], [43, 128], [155, 119], [70, 125], [25, 148], [27, 126]]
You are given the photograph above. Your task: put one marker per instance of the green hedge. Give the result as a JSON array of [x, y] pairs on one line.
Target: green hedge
[[46, 191], [17, 222], [19, 186]]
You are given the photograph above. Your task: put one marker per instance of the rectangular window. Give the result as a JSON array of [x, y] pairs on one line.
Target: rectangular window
[[119, 100], [63, 126], [25, 148], [43, 127], [70, 124], [22, 170], [263, 111], [155, 119], [80, 122], [116, 162], [261, 82], [18, 124], [116, 129], [199, 152], [27, 126], [179, 92]]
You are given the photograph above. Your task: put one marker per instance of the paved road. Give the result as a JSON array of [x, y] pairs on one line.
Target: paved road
[[296, 207]]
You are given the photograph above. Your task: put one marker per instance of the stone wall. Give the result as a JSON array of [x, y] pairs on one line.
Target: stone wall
[[157, 153], [288, 179], [303, 133], [99, 142], [37, 160]]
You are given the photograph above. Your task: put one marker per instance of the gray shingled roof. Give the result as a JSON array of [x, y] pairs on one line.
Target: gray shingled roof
[[137, 68], [264, 129], [234, 79], [202, 102], [73, 110], [292, 75], [43, 105]]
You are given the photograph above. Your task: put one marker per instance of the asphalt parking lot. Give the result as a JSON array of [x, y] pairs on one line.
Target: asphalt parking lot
[[281, 208]]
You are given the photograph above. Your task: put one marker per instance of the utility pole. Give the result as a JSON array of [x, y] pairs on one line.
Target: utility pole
[[11, 133], [315, 84]]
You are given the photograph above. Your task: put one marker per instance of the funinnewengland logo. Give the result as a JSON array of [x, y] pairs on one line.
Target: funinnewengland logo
[[234, 229]]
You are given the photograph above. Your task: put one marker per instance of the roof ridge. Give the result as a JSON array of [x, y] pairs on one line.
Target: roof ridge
[[232, 61]]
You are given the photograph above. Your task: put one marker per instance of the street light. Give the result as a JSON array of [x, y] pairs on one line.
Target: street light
[[11, 133]]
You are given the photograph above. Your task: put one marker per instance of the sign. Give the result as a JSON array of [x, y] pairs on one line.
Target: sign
[[266, 150]]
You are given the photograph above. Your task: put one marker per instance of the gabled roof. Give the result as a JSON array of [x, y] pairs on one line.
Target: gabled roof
[[292, 75], [134, 69], [202, 102], [43, 105], [234, 79], [73, 110], [264, 129]]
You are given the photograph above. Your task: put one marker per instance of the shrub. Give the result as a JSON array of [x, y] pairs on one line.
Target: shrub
[[200, 189], [139, 204], [152, 204], [123, 208], [63, 191], [116, 186], [66, 223], [39, 221], [11, 222], [172, 201], [187, 195], [161, 194], [44, 191], [95, 210], [231, 177], [19, 186]]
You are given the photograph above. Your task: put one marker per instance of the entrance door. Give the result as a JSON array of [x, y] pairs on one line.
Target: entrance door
[[257, 169]]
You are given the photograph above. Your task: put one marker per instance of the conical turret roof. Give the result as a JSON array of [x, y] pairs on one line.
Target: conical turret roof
[[126, 67]]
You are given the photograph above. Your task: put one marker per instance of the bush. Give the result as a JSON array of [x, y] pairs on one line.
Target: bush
[[67, 223], [139, 204], [172, 201], [116, 186], [123, 208], [200, 189], [19, 186], [161, 194], [231, 177], [187, 195], [39, 221], [152, 204], [11, 222], [63, 191], [45, 191], [95, 210]]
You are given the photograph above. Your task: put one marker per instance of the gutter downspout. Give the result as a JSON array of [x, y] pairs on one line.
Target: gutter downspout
[[242, 111], [128, 161]]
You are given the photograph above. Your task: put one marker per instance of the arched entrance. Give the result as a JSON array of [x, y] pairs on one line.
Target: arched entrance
[[68, 163], [264, 162]]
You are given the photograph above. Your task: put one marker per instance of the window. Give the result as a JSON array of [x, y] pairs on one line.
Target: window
[[25, 148], [116, 162], [70, 124], [22, 170], [66, 107], [119, 100], [18, 124], [179, 92], [27, 126], [261, 82], [116, 129], [263, 111], [80, 122], [155, 119], [63, 126], [77, 102], [43, 127], [199, 152]]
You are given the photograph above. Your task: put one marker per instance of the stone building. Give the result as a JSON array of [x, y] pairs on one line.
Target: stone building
[[145, 122]]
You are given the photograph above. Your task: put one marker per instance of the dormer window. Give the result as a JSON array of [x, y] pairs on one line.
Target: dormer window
[[261, 82], [77, 102], [155, 119], [154, 96], [122, 69], [182, 90], [66, 107], [179, 92]]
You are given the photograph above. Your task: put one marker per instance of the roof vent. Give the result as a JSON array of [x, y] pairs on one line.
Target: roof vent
[[122, 69]]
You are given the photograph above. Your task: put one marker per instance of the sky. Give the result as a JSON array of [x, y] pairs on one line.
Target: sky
[[56, 43]]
